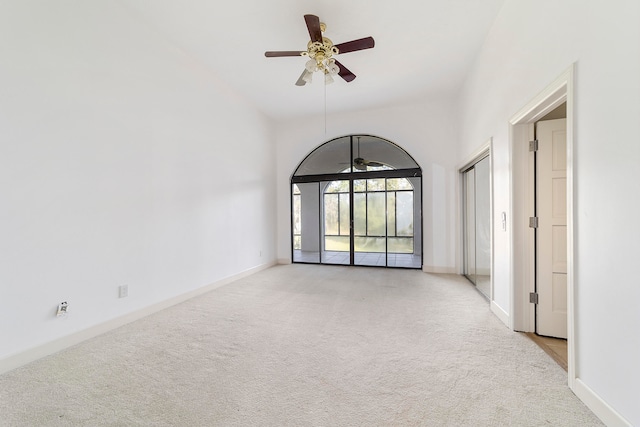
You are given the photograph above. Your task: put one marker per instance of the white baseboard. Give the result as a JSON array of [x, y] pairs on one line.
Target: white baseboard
[[284, 261], [22, 358], [439, 270], [501, 314], [598, 406]]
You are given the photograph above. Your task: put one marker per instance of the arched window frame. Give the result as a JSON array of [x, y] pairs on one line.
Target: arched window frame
[[409, 169]]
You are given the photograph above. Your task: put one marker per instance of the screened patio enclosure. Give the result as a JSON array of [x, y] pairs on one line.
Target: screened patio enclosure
[[357, 200]]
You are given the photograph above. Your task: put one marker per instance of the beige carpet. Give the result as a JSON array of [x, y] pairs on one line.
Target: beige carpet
[[304, 345]]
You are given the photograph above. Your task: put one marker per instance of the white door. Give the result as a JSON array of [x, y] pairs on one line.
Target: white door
[[551, 235]]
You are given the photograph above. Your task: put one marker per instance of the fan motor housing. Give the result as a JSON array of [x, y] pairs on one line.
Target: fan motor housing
[[320, 51]]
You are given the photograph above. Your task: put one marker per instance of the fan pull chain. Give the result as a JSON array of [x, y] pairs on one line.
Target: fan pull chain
[[325, 108]]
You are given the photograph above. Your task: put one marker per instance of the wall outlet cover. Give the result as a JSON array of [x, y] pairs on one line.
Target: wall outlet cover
[[123, 291], [62, 309]]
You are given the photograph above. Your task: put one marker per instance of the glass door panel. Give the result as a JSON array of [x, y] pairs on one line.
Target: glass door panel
[[400, 219], [470, 225], [403, 237], [477, 225], [385, 213], [306, 227], [370, 224], [336, 230]]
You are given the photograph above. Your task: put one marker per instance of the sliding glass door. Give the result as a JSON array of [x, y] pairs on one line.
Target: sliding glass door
[[477, 225], [306, 227], [336, 208], [384, 223]]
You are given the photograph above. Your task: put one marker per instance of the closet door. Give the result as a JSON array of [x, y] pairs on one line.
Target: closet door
[[470, 225], [477, 225]]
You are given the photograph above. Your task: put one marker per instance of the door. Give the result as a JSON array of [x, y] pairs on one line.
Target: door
[[551, 234], [470, 225], [384, 222], [306, 227], [336, 242], [477, 225], [369, 222]]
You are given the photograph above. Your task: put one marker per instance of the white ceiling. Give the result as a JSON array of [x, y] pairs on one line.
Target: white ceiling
[[423, 47]]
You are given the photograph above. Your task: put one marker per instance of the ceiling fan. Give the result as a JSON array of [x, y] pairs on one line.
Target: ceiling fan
[[361, 164], [320, 51]]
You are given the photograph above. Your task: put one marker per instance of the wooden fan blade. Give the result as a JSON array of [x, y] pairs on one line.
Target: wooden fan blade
[[352, 46], [282, 53], [344, 72], [313, 25], [301, 81]]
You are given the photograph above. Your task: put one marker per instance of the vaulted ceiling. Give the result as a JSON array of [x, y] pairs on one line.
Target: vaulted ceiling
[[424, 48]]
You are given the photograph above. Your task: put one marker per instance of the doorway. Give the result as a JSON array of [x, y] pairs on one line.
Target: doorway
[[357, 200], [523, 239]]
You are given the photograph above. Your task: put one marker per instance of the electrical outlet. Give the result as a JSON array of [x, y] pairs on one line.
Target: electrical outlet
[[62, 309], [123, 291]]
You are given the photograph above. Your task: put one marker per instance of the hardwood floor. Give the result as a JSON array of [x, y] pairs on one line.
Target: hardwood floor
[[554, 347]]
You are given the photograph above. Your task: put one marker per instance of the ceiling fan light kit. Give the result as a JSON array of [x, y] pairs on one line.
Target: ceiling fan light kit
[[320, 51]]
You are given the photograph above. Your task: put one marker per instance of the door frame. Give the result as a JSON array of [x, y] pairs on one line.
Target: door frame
[[522, 177]]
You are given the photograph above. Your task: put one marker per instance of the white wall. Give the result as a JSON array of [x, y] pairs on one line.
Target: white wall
[[122, 161], [425, 131], [531, 43]]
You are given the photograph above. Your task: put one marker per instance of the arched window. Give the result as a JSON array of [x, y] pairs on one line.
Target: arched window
[[356, 200]]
